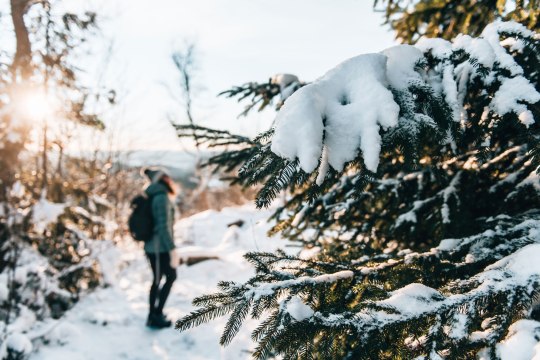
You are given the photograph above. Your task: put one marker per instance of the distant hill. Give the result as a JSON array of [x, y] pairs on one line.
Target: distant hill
[[180, 164]]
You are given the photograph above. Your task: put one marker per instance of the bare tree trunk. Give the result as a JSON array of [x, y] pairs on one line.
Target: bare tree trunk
[[23, 55], [59, 166], [45, 160], [184, 60]]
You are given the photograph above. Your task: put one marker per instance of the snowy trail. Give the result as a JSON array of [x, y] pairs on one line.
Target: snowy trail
[[109, 323]]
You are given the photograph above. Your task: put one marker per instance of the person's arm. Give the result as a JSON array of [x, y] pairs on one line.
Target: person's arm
[[161, 210]]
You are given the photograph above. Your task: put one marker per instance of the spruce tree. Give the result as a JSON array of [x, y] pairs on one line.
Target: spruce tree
[[414, 174], [448, 18]]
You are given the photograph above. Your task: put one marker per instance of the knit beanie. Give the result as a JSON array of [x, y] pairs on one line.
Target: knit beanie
[[154, 174]]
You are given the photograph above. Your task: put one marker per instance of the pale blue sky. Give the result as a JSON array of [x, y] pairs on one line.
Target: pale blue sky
[[238, 41]]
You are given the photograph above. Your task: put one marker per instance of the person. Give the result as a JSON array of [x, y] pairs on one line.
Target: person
[[160, 249]]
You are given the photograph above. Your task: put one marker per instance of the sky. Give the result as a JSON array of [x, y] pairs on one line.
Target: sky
[[237, 41]]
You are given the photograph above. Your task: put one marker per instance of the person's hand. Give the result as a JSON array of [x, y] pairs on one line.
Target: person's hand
[[175, 259]]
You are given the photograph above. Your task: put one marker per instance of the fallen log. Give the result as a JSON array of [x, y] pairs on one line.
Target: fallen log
[[192, 260]]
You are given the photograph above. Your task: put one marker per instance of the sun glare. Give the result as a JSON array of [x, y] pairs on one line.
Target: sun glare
[[35, 105]]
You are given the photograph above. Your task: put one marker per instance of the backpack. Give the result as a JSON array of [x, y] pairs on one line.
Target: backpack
[[141, 220]]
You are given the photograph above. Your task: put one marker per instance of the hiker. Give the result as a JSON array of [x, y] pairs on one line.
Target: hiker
[[160, 248]]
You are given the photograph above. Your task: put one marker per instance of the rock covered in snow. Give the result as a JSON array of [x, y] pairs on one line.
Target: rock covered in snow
[[61, 333]]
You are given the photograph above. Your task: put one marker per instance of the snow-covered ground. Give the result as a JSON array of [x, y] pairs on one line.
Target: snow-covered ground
[[110, 323]]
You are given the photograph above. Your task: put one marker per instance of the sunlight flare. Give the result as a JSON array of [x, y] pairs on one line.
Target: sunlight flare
[[35, 105]]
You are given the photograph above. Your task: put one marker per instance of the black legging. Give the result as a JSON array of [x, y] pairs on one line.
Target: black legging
[[161, 266]]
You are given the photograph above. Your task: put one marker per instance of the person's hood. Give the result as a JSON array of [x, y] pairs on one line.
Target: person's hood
[[154, 174], [155, 189]]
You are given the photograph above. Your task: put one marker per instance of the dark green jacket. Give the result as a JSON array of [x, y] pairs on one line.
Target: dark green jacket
[[163, 212]]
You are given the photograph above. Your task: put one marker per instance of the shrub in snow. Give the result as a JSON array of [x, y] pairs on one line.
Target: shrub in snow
[[45, 263], [413, 172], [46, 225], [18, 347]]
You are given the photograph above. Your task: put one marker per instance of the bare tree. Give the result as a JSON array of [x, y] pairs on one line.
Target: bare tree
[[23, 55], [185, 62]]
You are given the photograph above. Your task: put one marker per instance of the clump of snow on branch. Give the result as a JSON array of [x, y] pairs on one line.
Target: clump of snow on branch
[[346, 106], [439, 48], [510, 98], [503, 58], [328, 122], [519, 269], [288, 84], [400, 66], [523, 263], [265, 289], [19, 343], [413, 299], [521, 342], [478, 48], [298, 309]]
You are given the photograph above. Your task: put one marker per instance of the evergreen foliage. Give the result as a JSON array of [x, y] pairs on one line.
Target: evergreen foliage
[[430, 254], [448, 18], [264, 94]]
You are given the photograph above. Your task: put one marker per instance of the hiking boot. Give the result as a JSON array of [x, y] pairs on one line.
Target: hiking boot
[[164, 319], [158, 321]]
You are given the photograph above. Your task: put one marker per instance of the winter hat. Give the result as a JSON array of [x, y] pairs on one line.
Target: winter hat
[[155, 173]]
